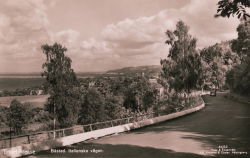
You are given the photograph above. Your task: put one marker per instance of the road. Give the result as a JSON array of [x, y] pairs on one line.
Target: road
[[223, 124]]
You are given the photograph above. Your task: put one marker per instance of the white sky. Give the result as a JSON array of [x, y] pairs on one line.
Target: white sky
[[102, 34]]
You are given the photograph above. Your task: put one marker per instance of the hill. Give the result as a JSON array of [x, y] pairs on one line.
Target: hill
[[27, 80], [151, 70]]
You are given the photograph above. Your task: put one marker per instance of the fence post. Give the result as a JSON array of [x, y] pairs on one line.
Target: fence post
[[29, 139], [111, 123], [90, 127], [63, 133]]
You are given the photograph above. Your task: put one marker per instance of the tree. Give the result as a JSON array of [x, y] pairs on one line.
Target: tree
[[92, 107], [138, 88], [113, 107], [3, 116], [218, 60], [182, 70], [226, 8], [238, 78], [17, 116], [241, 45], [61, 81]]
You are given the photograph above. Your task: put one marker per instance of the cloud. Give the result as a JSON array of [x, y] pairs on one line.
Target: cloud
[[66, 37], [140, 41], [199, 15], [24, 27]]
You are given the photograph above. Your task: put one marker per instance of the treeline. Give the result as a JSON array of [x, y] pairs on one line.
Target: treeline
[[23, 92], [74, 101], [18, 115], [188, 68], [224, 65], [90, 101], [238, 78]]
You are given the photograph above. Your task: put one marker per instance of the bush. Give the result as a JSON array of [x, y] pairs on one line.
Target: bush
[[18, 116], [42, 116]]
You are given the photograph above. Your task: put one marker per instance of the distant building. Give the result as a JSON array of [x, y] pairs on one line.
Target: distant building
[[36, 92], [39, 92]]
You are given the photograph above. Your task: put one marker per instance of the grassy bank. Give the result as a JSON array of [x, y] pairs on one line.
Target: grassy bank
[[238, 98], [35, 100]]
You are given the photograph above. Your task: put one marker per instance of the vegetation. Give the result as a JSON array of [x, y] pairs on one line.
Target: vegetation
[[89, 100], [19, 86], [92, 107], [182, 70], [18, 116], [35, 100], [60, 80], [3, 116], [139, 95], [238, 78], [149, 71], [226, 8], [217, 61], [127, 92], [112, 98]]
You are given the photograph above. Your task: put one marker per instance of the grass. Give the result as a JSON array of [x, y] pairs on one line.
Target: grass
[[19, 83], [36, 100], [238, 98]]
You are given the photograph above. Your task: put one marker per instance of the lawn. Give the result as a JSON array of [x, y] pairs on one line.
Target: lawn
[[35, 100], [19, 83]]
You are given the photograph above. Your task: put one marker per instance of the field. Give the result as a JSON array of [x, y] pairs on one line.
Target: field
[[36, 100], [19, 83]]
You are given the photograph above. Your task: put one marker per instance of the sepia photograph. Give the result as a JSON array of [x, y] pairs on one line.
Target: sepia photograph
[[125, 78]]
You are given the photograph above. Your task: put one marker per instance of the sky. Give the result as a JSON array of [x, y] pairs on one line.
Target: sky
[[102, 34]]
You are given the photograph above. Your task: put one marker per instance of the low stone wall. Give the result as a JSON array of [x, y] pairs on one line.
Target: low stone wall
[[68, 140]]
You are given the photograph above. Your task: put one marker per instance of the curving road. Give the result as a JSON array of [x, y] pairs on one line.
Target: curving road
[[221, 129]]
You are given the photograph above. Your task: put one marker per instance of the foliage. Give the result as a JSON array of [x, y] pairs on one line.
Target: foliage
[[241, 45], [226, 8], [139, 94], [149, 98], [18, 116], [61, 80], [182, 71], [92, 107], [40, 115], [148, 71], [20, 92], [3, 116], [217, 60], [238, 78], [114, 108]]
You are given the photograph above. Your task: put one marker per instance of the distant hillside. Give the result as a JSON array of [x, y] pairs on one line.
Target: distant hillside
[[147, 70], [12, 81]]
